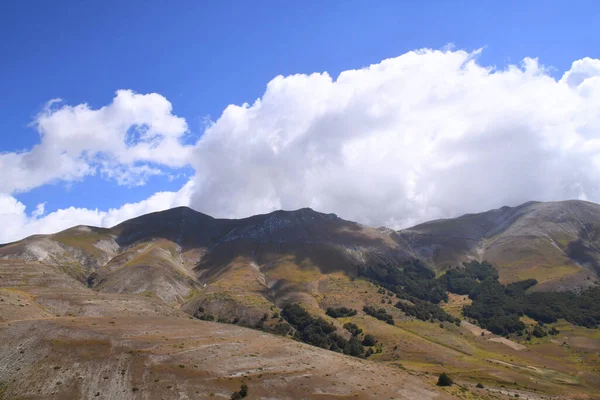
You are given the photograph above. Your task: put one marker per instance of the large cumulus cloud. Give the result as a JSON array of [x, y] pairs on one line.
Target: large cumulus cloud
[[425, 135]]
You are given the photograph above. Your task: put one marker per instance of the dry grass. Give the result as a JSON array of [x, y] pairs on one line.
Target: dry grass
[[161, 357], [455, 304]]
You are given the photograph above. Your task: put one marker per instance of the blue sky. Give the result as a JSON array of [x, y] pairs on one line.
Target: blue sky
[[203, 56]]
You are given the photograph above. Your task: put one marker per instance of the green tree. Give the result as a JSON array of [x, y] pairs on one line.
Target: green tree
[[369, 340], [444, 380], [354, 348], [352, 328], [244, 390]]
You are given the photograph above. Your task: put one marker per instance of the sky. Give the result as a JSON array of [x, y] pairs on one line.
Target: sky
[[389, 113]]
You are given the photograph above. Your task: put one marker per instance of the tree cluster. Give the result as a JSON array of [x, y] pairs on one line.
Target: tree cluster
[[412, 278], [340, 312], [425, 311], [379, 313], [353, 329], [318, 332], [497, 307]]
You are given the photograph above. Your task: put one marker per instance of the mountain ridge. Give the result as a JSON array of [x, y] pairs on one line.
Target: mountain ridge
[[150, 284], [442, 242]]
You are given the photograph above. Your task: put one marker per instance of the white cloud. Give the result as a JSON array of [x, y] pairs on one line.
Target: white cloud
[[13, 214], [425, 135], [117, 140], [428, 134], [40, 209]]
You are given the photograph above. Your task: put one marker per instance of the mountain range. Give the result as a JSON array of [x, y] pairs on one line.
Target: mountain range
[[161, 269]]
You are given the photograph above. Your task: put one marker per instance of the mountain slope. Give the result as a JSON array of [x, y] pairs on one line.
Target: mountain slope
[[174, 253], [143, 358], [555, 243], [120, 303]]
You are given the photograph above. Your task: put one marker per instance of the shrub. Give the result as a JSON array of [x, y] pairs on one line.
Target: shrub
[[353, 329], [444, 380], [244, 390], [354, 348], [459, 281], [538, 332], [379, 313], [369, 340], [236, 396], [424, 311], [340, 312]]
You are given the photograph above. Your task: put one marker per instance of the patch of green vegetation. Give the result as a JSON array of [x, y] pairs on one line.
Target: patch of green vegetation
[[369, 340], [340, 312], [320, 333], [444, 380], [412, 278], [425, 311], [494, 309], [498, 308], [417, 285], [379, 313], [579, 309], [243, 392], [353, 329], [464, 280]]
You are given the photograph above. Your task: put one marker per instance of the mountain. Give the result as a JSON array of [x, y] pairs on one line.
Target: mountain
[[127, 311], [557, 243], [174, 254], [243, 267]]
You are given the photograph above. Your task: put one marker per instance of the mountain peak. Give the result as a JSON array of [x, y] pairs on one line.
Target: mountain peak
[[304, 212]]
